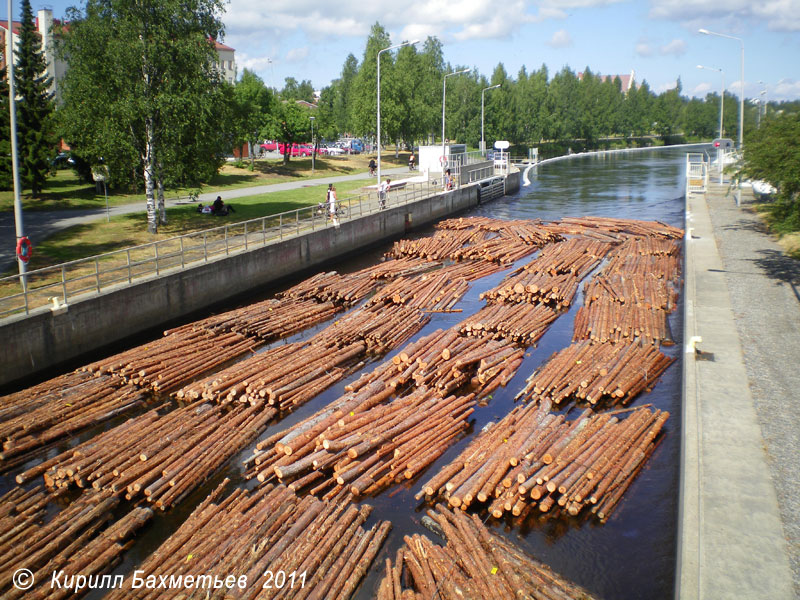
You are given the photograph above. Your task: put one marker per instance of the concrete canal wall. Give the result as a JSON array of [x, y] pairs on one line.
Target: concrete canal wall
[[46, 338]]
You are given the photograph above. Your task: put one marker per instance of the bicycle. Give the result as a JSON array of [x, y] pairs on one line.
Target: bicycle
[[342, 211]]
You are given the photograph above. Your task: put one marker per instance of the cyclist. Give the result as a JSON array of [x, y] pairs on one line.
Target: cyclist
[[372, 166], [411, 161]]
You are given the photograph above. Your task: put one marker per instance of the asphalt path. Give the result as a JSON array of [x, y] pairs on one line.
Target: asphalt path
[[39, 225]]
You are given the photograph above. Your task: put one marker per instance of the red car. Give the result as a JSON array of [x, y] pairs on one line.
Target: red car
[[270, 146], [296, 149]]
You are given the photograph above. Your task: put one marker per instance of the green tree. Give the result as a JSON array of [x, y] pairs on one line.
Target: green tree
[[35, 138], [772, 153], [500, 120], [289, 124], [429, 90], [6, 178], [669, 111], [364, 93], [144, 93], [342, 93], [253, 103], [297, 91]]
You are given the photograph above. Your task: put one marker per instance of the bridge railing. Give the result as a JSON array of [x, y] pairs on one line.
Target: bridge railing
[[59, 284]]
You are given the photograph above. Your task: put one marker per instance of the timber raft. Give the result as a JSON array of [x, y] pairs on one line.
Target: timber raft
[[95, 451]]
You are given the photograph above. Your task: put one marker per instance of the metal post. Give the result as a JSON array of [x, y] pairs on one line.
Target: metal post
[[20, 230], [183, 261], [130, 274], [313, 143], [741, 96], [64, 282]]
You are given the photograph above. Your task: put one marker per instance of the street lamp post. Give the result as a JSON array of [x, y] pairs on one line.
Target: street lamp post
[[741, 97], [722, 97], [444, 96], [411, 43], [483, 91], [763, 100], [314, 146], [14, 153]]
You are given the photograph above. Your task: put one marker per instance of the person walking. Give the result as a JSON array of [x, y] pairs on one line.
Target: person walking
[[332, 205], [383, 192]]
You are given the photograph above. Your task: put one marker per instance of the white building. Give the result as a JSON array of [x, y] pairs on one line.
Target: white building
[[56, 68]]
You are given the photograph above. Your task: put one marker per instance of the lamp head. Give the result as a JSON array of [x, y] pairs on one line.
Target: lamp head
[[704, 31]]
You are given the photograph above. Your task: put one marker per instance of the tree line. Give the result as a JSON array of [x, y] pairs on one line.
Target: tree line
[[143, 100]]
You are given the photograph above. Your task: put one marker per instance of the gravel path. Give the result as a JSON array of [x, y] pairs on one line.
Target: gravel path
[[764, 287]]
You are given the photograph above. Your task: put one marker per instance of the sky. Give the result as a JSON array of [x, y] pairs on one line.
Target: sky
[[658, 39]]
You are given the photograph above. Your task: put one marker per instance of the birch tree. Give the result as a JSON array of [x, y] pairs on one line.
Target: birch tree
[[142, 81]]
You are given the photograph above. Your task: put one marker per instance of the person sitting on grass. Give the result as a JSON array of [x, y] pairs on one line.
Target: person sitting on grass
[[220, 209]]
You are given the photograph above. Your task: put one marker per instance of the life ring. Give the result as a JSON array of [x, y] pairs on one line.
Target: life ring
[[443, 161], [24, 249]]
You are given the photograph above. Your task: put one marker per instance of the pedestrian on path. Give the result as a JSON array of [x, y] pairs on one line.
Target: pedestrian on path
[[383, 192], [332, 204]]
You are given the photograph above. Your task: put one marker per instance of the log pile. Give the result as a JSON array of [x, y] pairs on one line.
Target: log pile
[[160, 457], [474, 564], [343, 290], [439, 246], [523, 323], [169, 361], [284, 376], [445, 361], [649, 290], [368, 448], [596, 372], [73, 541], [530, 231], [610, 228], [269, 320], [324, 544], [556, 291], [535, 458], [436, 291], [32, 419], [605, 320], [578, 256]]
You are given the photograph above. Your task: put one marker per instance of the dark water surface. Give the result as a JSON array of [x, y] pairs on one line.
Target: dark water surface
[[633, 555]]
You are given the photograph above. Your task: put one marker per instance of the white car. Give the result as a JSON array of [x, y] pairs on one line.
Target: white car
[[331, 150]]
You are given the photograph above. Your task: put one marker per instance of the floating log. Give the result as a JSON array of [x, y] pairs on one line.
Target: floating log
[[473, 563]]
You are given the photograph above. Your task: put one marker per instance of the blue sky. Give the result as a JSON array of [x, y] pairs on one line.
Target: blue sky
[[658, 39]]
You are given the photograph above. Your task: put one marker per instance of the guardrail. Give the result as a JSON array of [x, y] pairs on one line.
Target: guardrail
[[60, 284], [696, 173]]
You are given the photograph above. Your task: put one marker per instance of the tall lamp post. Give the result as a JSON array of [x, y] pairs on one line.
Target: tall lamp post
[[379, 96], [741, 96], [483, 91], [314, 144], [14, 153], [721, 98], [763, 99], [444, 95]]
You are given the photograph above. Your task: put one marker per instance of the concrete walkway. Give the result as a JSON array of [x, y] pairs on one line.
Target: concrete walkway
[[733, 540], [39, 225]]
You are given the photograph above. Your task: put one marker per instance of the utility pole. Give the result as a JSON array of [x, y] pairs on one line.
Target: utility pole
[[20, 230]]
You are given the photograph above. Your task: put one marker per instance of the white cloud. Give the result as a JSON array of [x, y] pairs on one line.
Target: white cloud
[[254, 63], [785, 89], [643, 48], [701, 89], [778, 15], [297, 54], [560, 39], [676, 47]]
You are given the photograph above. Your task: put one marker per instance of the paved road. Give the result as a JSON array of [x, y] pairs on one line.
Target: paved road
[[764, 286], [39, 225]]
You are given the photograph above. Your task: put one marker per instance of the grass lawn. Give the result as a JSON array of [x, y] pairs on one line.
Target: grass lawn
[[775, 219], [65, 191]]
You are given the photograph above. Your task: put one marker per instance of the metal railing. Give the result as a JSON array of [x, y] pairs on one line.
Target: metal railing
[[60, 284], [696, 173]]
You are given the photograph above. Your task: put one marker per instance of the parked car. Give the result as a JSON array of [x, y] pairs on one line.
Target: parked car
[[269, 145], [331, 150]]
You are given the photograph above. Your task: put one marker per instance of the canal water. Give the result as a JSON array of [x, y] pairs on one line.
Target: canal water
[[632, 556]]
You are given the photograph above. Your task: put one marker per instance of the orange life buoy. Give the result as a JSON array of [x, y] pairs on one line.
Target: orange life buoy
[[24, 249]]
